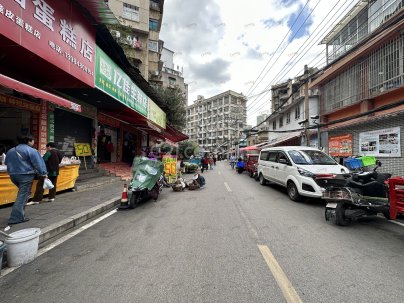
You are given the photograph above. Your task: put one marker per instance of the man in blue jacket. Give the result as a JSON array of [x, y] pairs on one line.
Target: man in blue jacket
[[23, 162]]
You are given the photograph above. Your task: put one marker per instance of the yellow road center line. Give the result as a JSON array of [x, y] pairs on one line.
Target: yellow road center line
[[288, 291]]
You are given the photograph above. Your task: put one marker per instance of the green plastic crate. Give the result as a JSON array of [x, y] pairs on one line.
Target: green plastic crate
[[368, 160]]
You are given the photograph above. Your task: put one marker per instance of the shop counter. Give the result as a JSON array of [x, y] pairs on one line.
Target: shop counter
[[66, 180]]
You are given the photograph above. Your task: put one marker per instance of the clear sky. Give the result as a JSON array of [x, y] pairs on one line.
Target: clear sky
[[226, 44]]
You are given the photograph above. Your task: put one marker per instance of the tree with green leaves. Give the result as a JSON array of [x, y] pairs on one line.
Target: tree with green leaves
[[173, 103], [187, 149]]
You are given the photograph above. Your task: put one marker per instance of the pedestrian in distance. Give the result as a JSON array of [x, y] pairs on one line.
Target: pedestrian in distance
[[232, 161], [23, 162], [211, 162], [182, 167], [206, 163], [52, 159], [214, 160]]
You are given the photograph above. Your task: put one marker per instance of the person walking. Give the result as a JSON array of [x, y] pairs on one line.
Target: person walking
[[52, 159], [232, 161], [23, 161]]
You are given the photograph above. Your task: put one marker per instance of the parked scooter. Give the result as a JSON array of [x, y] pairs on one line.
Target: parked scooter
[[351, 196], [147, 181], [240, 166], [255, 172]]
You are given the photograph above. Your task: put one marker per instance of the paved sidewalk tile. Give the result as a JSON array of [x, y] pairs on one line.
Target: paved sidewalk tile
[[66, 205]]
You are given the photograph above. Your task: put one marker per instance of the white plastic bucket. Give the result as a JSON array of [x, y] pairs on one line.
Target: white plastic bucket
[[2, 249], [23, 246]]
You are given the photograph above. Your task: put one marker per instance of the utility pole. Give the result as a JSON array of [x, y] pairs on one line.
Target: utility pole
[[306, 104]]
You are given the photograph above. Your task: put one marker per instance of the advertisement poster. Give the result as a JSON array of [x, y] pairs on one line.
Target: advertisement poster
[[340, 146], [82, 149], [380, 143], [170, 166]]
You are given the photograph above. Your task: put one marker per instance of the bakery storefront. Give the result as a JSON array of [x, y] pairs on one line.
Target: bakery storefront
[[44, 47]]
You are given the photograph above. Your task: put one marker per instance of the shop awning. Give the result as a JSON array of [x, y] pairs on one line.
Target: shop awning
[[135, 119], [37, 93], [282, 139], [251, 147]]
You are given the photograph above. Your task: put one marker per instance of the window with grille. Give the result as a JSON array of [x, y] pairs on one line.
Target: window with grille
[[297, 111], [287, 117], [153, 24], [130, 12], [154, 46]]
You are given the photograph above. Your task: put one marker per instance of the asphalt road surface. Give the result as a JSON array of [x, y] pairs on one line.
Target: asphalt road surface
[[233, 241]]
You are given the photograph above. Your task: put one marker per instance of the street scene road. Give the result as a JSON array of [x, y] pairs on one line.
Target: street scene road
[[231, 241]]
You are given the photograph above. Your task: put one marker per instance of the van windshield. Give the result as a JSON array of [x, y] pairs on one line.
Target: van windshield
[[311, 157]]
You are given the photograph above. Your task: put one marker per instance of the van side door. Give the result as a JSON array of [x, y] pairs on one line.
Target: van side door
[[272, 157], [283, 168], [263, 163]]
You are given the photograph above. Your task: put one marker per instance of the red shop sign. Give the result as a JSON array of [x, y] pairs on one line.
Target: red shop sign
[[102, 119], [54, 30]]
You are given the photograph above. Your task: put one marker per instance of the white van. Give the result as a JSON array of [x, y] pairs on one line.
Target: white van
[[295, 168]]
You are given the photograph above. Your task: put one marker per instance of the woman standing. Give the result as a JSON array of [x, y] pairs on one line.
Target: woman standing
[[52, 159]]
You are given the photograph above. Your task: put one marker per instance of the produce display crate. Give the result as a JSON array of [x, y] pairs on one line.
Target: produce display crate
[[368, 160], [353, 163]]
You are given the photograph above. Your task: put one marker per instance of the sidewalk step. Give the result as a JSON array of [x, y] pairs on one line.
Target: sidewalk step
[[92, 175], [95, 182]]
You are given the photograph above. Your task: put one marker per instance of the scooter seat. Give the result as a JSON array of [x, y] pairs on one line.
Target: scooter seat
[[372, 188]]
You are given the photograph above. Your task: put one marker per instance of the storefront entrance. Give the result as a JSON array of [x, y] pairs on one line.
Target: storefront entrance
[[71, 128]]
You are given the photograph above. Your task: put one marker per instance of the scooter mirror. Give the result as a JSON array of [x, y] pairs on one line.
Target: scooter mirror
[[378, 163]]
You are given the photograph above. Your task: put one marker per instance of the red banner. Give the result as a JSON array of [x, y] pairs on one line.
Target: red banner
[[102, 119], [23, 104], [340, 146], [43, 127], [55, 30]]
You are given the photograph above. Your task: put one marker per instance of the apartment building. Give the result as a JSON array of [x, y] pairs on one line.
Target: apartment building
[[291, 117], [216, 123], [138, 34], [171, 76], [362, 87]]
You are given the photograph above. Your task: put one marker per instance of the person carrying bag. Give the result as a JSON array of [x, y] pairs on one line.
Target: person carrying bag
[[52, 159], [23, 161]]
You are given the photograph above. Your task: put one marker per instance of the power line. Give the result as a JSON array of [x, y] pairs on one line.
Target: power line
[[280, 44], [352, 49], [295, 34], [308, 39]]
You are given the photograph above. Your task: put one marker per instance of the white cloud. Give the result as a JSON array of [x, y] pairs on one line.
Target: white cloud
[[225, 44]]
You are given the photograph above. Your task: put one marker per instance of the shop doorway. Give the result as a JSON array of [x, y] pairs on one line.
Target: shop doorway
[[104, 148], [129, 147]]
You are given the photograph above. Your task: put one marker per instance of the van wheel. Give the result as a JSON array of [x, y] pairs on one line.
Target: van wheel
[[293, 192], [262, 179]]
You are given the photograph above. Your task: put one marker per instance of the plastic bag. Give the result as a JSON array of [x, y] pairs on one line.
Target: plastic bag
[[47, 184]]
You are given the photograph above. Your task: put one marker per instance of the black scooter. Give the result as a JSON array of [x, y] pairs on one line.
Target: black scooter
[[351, 196]]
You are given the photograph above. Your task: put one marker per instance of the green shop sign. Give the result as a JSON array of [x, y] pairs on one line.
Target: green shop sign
[[156, 114], [113, 81]]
